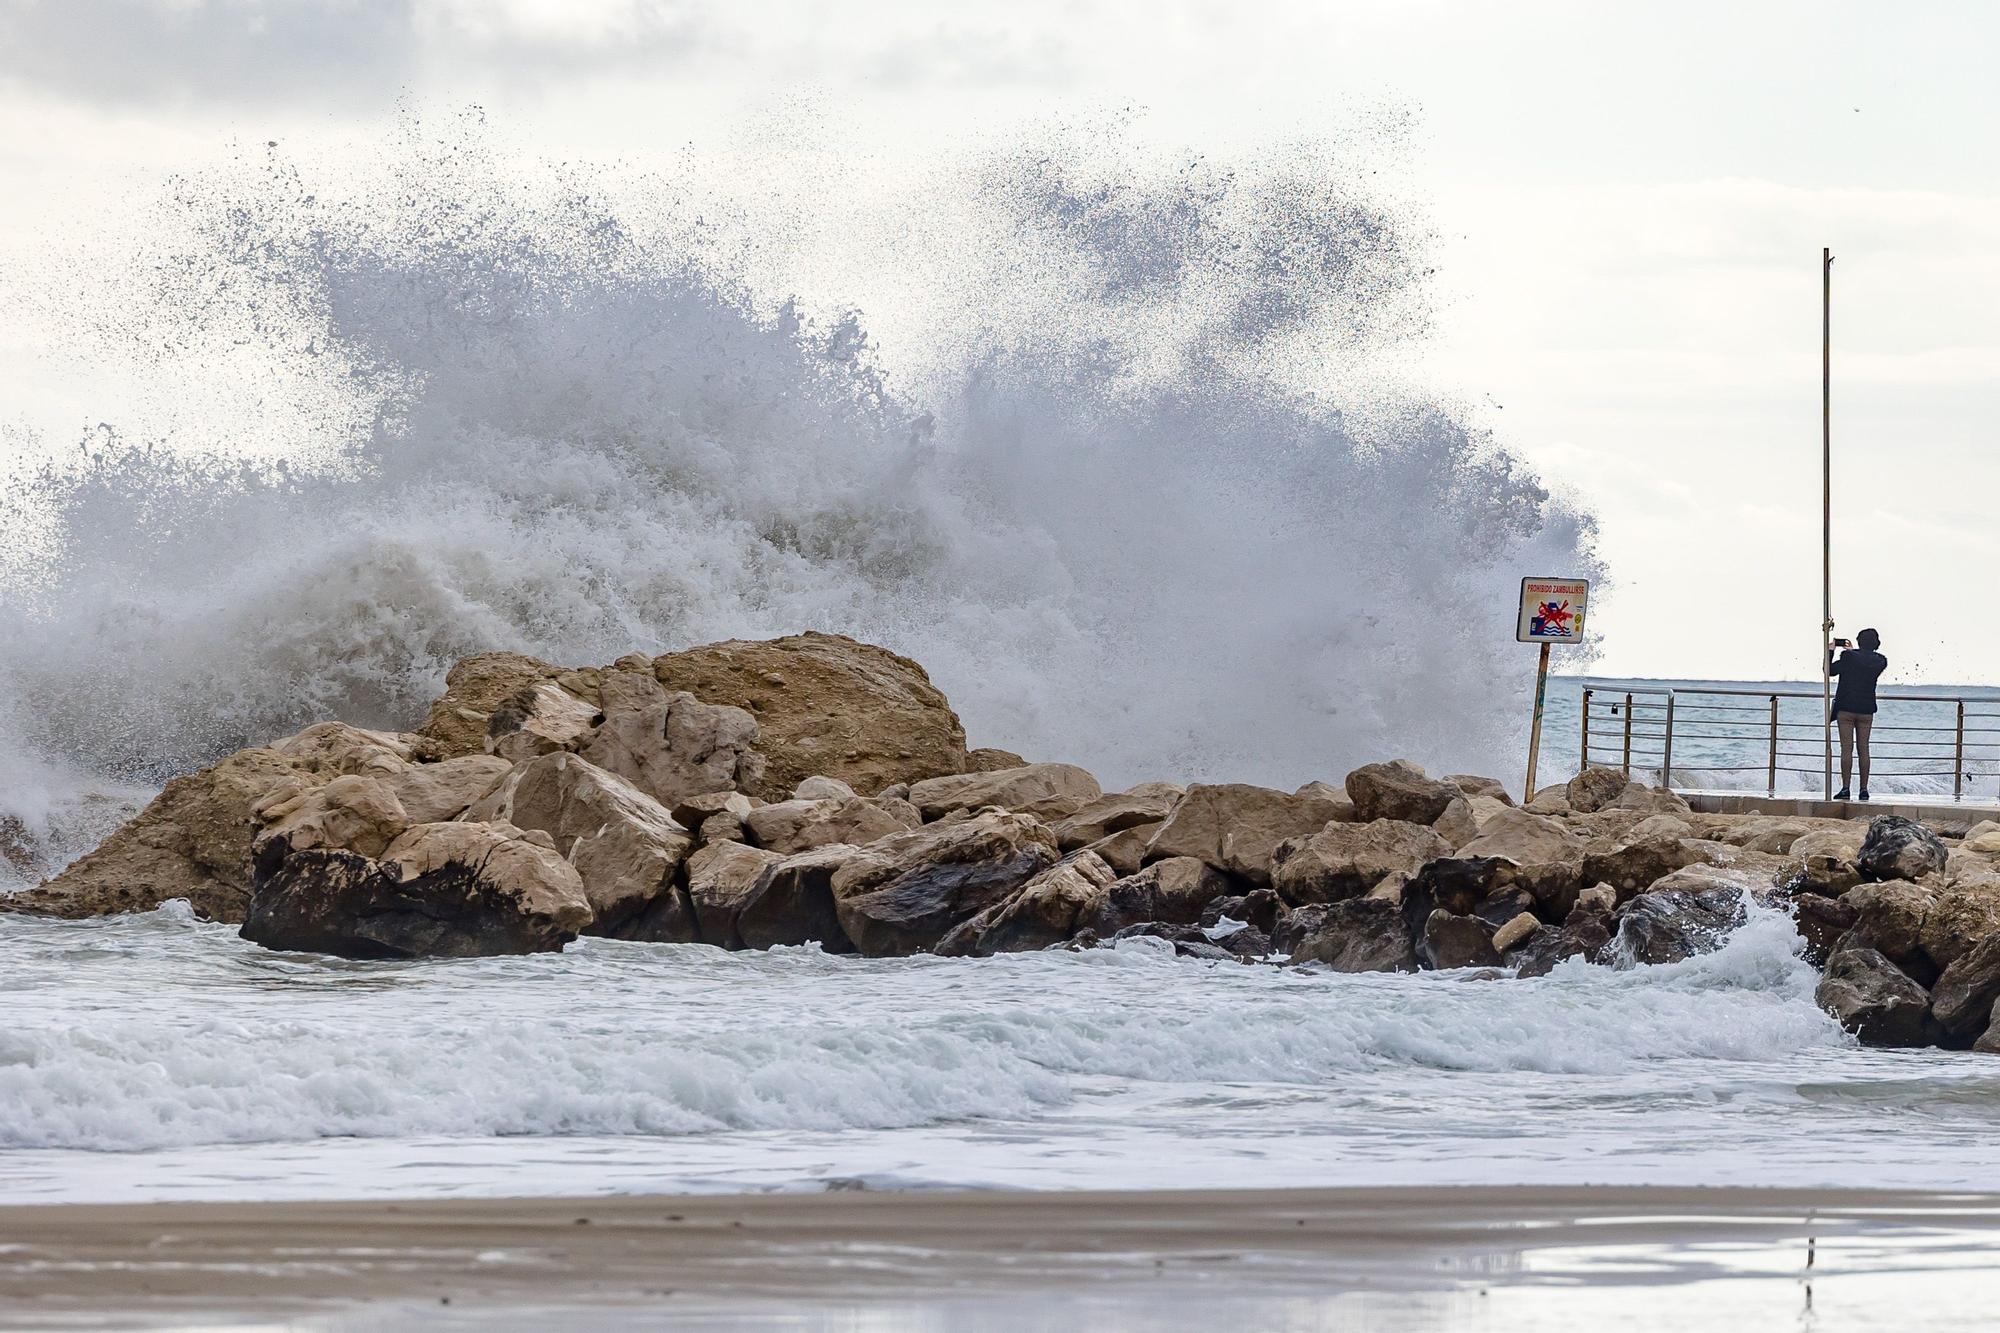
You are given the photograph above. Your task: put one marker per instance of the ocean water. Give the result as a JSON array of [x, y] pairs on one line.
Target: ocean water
[[157, 1057]]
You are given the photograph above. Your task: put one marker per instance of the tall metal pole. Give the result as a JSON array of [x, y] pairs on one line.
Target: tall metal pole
[[1826, 508]]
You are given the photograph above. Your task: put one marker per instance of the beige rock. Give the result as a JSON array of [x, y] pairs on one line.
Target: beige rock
[[350, 813], [693, 811], [434, 793], [1171, 791], [1484, 808], [1474, 785], [1983, 838], [673, 746], [1597, 898], [1046, 910], [192, 841], [721, 876], [1514, 932], [1237, 828], [1112, 814], [336, 749], [1458, 824], [1173, 891], [1344, 861], [1047, 791], [440, 890], [623, 843], [1125, 850], [475, 688], [1336, 798], [1961, 917], [797, 826], [1399, 790], [538, 719], [1527, 839], [1553, 800], [1647, 800], [1594, 788], [1660, 826], [817, 788], [904, 894], [826, 705], [1890, 918], [1636, 865], [793, 902], [1823, 861], [990, 760]]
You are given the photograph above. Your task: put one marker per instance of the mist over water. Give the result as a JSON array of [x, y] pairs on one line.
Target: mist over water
[[486, 405]]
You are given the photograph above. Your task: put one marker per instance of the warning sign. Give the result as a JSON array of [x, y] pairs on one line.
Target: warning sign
[[1552, 610]]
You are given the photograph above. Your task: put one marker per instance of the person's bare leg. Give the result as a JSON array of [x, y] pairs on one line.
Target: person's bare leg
[[1845, 721], [1862, 726]]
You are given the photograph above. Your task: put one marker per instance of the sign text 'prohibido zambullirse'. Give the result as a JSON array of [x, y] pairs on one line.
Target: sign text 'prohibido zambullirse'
[[1552, 610]]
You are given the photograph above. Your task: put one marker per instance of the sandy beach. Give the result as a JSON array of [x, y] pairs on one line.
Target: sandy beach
[[1402, 1258]]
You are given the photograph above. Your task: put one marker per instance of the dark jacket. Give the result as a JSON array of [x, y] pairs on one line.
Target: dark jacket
[[1858, 670]]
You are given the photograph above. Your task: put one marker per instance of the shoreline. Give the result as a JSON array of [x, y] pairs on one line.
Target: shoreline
[[766, 1257]]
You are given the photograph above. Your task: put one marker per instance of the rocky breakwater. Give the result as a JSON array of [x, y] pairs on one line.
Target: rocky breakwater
[[814, 789]]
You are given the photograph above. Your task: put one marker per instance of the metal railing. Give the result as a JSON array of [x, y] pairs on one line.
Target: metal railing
[[1931, 736]]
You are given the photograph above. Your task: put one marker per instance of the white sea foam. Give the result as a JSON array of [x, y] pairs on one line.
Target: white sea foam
[[625, 1040], [512, 415]]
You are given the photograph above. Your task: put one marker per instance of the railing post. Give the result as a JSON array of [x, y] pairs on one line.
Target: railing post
[[1667, 756], [1627, 764], [1583, 732], [1958, 757], [1771, 777]]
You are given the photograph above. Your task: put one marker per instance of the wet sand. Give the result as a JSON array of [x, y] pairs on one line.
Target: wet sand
[[1306, 1258]]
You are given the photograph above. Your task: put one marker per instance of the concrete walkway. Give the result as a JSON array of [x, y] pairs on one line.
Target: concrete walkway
[[1942, 814]]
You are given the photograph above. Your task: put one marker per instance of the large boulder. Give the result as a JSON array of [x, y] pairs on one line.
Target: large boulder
[[1874, 1000], [1962, 1000], [1398, 790], [1047, 910], [721, 877], [1047, 791], [624, 845], [1668, 925], [1358, 935], [1548, 857], [903, 894], [1645, 800], [539, 719], [452, 890], [671, 746], [793, 902], [353, 812], [474, 690], [1474, 785], [1114, 814], [435, 793], [1594, 789], [1823, 861], [1177, 890], [1125, 850], [1960, 917], [1450, 940], [1237, 828], [801, 825], [193, 840], [1889, 918], [1347, 860], [1822, 922], [826, 705], [1899, 848], [1638, 864]]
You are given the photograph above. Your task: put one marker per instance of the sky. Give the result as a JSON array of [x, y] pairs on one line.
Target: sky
[[1628, 200]]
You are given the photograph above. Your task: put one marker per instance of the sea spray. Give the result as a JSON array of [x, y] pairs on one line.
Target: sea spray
[[488, 409]]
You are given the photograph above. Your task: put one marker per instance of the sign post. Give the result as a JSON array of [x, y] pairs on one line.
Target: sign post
[[1551, 612]]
